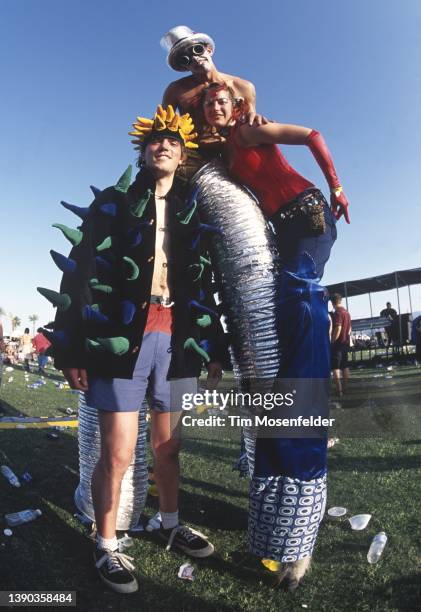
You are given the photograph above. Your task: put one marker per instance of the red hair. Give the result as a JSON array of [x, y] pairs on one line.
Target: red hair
[[240, 107]]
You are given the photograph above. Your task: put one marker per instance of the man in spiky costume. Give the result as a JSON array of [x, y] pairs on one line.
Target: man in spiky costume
[[135, 310]]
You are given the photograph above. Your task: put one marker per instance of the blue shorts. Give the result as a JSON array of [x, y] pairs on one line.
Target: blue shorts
[[149, 380]]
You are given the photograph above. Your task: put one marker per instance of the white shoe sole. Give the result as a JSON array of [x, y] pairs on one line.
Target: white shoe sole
[[131, 587], [199, 554]]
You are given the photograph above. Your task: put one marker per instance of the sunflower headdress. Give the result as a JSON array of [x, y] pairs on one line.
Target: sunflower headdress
[[165, 123]]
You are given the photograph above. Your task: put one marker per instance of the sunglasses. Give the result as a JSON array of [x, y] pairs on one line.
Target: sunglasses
[[184, 60]]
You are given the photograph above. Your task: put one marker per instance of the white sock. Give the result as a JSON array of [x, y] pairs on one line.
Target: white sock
[[169, 519], [104, 543]]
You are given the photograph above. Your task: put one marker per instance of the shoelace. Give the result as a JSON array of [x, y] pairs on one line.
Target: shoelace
[[188, 534], [115, 560]]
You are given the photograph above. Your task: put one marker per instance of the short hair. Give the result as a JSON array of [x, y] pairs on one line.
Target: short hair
[[388, 303], [26, 330], [336, 298], [39, 330]]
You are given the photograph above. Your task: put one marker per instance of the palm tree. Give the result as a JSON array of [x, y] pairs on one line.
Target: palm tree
[[33, 318], [15, 321], [2, 312]]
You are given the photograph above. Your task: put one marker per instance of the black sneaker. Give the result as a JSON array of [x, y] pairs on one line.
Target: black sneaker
[[188, 540], [114, 568]]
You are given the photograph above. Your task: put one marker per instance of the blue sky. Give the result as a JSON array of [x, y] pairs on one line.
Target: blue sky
[[75, 74]]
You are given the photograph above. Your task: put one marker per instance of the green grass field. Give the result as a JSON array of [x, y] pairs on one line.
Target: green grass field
[[379, 475]]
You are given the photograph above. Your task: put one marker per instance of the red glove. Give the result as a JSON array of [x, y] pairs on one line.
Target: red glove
[[339, 206], [317, 145]]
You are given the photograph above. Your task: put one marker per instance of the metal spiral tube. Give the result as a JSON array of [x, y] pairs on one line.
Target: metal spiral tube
[[135, 482], [247, 264]]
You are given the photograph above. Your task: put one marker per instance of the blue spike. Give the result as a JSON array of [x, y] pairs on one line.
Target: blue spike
[[100, 261], [205, 345], [109, 209], [201, 295], [135, 237], [89, 313], [77, 210], [65, 264], [196, 304], [128, 310], [95, 190]]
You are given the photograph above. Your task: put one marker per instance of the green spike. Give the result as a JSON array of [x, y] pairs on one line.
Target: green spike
[[61, 301], [204, 320], [117, 345], [205, 261], [123, 182], [73, 235], [107, 243], [95, 284], [199, 274], [139, 207], [191, 343], [187, 213], [134, 269]]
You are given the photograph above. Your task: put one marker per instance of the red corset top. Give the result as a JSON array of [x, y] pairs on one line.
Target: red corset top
[[266, 172]]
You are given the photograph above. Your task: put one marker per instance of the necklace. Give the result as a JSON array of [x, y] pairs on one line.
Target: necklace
[[161, 197]]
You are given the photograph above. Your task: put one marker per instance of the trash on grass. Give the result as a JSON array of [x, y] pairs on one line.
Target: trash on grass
[[271, 565], [10, 475], [377, 547], [186, 572], [332, 441], [24, 516], [125, 542], [359, 521], [336, 511], [8, 532]]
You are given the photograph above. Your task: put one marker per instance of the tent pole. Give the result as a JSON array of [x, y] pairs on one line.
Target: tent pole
[[399, 308], [410, 300], [371, 325], [346, 295]]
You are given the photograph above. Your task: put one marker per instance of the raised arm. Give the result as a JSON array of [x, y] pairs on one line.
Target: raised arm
[[279, 133], [247, 90]]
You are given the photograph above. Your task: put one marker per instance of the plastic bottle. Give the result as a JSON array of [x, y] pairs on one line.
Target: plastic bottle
[[376, 548], [11, 477], [24, 516]]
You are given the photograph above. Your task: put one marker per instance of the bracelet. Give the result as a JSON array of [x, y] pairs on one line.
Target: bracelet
[[337, 190]]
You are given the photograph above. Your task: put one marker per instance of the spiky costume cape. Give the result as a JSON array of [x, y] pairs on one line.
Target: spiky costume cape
[[105, 292]]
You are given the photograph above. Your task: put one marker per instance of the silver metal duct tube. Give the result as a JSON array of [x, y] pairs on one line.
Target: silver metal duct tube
[[135, 482], [247, 263]]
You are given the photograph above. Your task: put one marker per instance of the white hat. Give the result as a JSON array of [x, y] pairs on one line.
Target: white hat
[[178, 39]]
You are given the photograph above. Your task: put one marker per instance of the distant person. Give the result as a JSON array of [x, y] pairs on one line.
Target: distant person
[[391, 314], [10, 353], [2, 348], [41, 344], [340, 341], [26, 348], [417, 334]]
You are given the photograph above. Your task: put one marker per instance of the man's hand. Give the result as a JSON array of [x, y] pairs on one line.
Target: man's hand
[[339, 206], [255, 119], [214, 374], [77, 378]]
